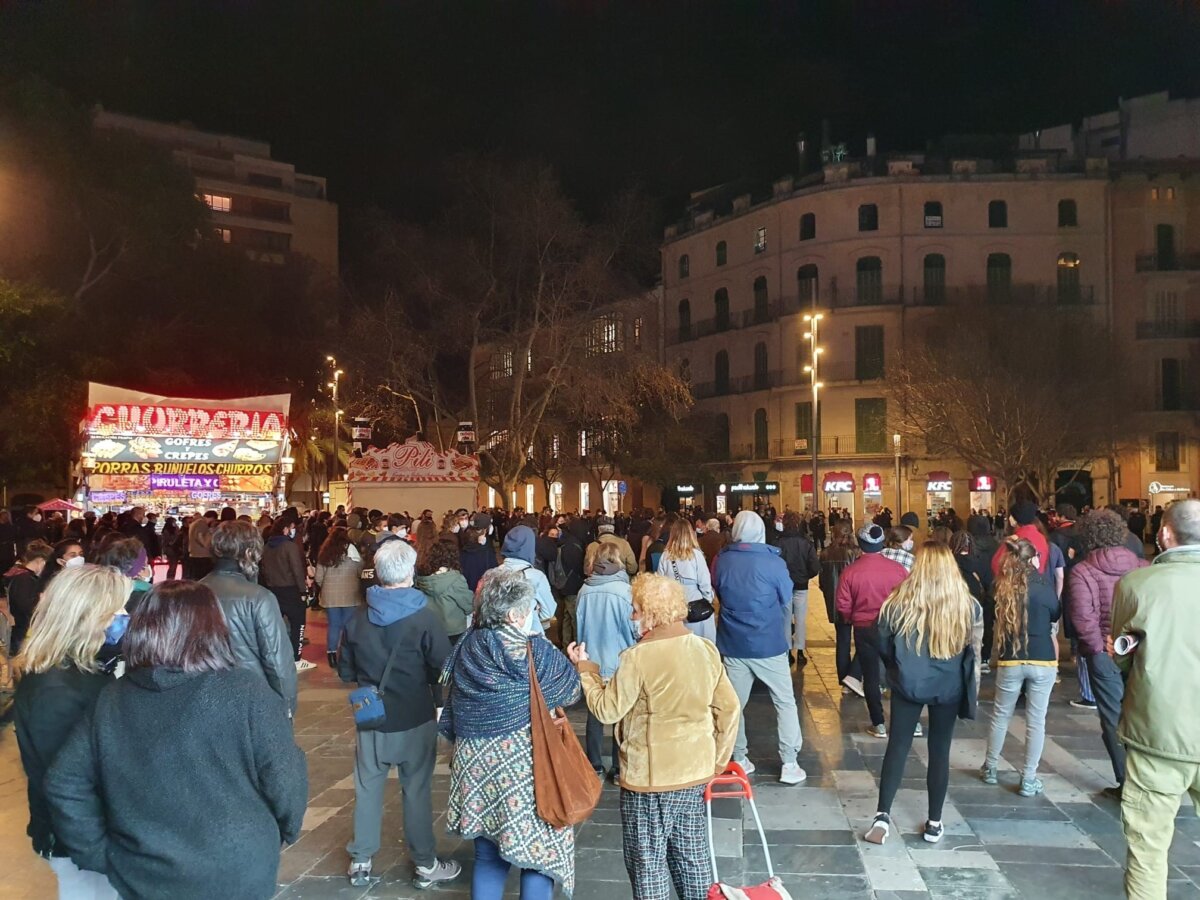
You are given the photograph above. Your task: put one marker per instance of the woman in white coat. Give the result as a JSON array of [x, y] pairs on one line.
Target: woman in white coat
[[683, 560]]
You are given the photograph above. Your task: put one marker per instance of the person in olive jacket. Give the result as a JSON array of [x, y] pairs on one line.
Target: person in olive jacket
[[440, 580], [59, 681], [184, 780]]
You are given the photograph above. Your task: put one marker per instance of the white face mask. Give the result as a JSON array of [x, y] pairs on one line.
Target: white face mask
[[908, 545], [454, 528], [779, 526], [73, 562], [36, 518], [402, 532], [482, 539]]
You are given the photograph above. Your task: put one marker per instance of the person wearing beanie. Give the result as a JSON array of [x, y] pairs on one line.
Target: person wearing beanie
[[1023, 518], [911, 520], [755, 588], [861, 590]]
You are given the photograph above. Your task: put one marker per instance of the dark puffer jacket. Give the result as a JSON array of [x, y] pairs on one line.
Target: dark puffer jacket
[[1090, 590], [259, 637]]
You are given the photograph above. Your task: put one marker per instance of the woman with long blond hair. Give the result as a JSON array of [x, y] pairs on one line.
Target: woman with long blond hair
[[59, 679], [1027, 607], [926, 627], [683, 560]]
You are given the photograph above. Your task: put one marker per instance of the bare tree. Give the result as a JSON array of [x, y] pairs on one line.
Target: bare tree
[[1021, 392]]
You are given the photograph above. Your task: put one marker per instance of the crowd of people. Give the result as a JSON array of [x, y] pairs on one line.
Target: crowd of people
[[658, 622]]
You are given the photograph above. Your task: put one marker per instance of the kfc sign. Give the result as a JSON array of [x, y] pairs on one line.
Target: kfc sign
[[838, 483], [983, 483], [939, 482], [872, 483]]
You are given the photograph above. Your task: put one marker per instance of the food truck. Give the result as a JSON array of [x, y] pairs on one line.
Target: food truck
[[183, 455]]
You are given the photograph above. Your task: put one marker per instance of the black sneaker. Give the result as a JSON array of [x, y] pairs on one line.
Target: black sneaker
[[933, 833], [332, 657], [801, 660], [881, 827]]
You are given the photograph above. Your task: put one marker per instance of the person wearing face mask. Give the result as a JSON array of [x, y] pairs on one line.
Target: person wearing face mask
[[67, 553], [284, 575], [518, 552], [128, 556], [898, 546], [462, 521], [476, 556], [23, 586], [59, 681], [30, 527]]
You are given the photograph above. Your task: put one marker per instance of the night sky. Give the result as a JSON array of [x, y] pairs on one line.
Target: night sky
[[675, 96]]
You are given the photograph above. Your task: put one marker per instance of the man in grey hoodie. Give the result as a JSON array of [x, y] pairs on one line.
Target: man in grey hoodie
[[519, 549]]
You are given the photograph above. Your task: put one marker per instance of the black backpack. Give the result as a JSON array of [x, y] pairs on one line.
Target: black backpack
[[558, 575]]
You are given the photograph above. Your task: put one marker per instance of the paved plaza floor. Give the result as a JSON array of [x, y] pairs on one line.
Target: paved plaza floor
[[1065, 843]]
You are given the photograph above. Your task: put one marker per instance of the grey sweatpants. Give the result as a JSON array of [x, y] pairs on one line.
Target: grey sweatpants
[[775, 673], [414, 754]]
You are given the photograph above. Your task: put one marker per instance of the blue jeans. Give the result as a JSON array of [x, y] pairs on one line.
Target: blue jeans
[[491, 871], [338, 617]]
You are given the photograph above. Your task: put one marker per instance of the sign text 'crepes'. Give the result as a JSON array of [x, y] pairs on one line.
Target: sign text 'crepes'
[[185, 421]]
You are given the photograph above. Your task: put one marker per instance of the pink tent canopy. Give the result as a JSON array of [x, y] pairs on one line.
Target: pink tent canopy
[[59, 506]]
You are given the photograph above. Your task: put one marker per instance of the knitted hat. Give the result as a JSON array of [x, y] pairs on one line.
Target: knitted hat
[[911, 520], [136, 566], [870, 538], [1024, 513]]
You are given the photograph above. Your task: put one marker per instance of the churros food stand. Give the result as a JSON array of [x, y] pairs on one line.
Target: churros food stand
[[184, 453], [413, 476]]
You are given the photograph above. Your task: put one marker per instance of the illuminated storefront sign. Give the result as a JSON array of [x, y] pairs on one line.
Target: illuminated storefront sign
[[1157, 487], [107, 496], [185, 421], [685, 490], [872, 483], [182, 449], [838, 483], [185, 483], [755, 487], [939, 483], [168, 468], [983, 484]]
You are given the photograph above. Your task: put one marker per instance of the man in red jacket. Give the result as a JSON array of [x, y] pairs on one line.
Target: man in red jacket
[[861, 590], [1022, 518]]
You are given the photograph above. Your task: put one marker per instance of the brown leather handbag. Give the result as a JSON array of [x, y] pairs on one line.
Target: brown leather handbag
[[565, 786]]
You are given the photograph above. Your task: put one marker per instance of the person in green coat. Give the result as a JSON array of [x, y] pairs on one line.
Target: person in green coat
[[440, 579], [1160, 719]]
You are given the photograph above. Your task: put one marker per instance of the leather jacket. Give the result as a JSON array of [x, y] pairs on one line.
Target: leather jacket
[[256, 629]]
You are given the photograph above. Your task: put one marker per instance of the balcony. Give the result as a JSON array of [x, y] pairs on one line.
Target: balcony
[[788, 448], [1167, 262], [1003, 295], [875, 295], [1156, 330], [746, 384]]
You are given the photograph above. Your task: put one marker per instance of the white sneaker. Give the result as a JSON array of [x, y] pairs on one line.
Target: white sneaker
[[855, 685], [878, 731], [442, 870], [747, 766], [360, 873], [303, 665], [918, 731], [793, 774]]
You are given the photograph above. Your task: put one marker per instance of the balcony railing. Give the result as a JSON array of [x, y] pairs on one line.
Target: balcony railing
[[1003, 295], [1151, 330], [1167, 262], [746, 384], [831, 446]]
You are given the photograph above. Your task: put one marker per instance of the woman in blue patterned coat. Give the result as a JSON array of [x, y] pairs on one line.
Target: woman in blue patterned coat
[[487, 717]]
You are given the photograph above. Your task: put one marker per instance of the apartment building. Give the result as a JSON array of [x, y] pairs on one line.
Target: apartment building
[[258, 204], [876, 248]]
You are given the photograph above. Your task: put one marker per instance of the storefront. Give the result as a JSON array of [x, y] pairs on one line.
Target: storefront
[[183, 455], [805, 483], [838, 488], [872, 489], [983, 494], [939, 492], [747, 495], [1163, 492]]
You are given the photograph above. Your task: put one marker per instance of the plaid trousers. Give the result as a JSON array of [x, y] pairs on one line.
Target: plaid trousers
[[664, 838]]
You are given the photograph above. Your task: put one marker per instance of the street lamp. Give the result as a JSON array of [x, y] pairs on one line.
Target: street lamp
[[896, 447], [333, 385], [813, 321]]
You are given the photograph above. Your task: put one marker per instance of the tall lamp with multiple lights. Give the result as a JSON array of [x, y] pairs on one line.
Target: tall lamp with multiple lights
[[337, 419], [813, 321]]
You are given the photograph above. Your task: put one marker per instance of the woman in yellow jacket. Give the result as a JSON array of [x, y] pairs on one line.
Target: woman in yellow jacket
[[677, 717]]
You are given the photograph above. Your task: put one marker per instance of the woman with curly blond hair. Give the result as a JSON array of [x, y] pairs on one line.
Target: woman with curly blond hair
[[678, 718], [1027, 606]]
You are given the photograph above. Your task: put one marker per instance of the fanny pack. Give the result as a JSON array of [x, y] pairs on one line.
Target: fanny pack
[[366, 702]]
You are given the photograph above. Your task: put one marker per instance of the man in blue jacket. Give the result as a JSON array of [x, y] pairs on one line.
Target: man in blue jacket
[[755, 589]]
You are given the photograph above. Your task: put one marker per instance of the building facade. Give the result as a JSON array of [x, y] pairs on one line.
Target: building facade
[[877, 248], [257, 203]]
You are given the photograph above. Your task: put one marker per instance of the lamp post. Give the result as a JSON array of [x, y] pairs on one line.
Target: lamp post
[[814, 320], [896, 447], [333, 385]]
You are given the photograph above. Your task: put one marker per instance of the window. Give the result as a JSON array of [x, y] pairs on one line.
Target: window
[[1067, 214], [761, 443], [806, 284], [933, 214], [721, 373], [637, 333], [273, 241], [262, 180], [808, 227], [1153, 193], [224, 235], [685, 320], [217, 202], [1164, 248], [868, 352], [762, 312], [868, 217], [722, 253], [1166, 451], [760, 239], [804, 434], [1171, 385], [605, 335], [1165, 309], [935, 279], [1068, 278], [870, 425], [685, 266], [999, 278], [685, 371], [997, 214], [502, 365], [585, 500], [721, 309], [556, 496], [721, 438], [1170, 193], [584, 446], [869, 274], [762, 375], [529, 497]]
